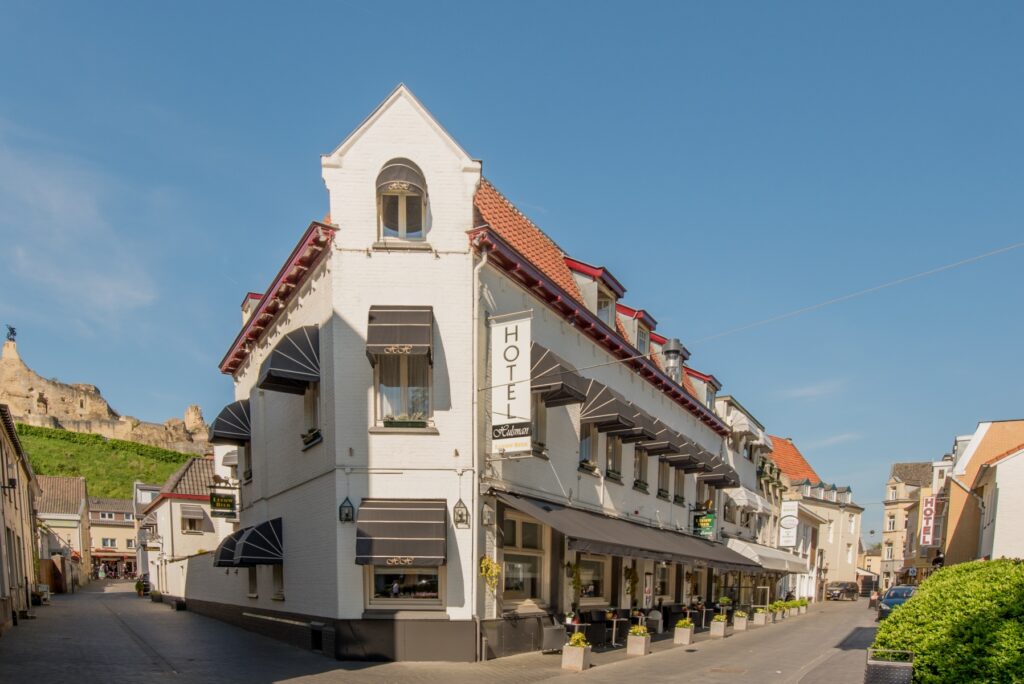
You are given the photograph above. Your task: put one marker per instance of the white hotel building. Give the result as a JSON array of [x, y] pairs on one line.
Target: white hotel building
[[372, 493]]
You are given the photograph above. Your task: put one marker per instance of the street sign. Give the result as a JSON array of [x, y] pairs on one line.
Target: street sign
[[222, 505], [788, 523], [912, 572]]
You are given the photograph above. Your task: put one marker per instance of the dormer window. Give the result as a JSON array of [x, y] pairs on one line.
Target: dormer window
[[643, 339], [402, 200], [606, 308]]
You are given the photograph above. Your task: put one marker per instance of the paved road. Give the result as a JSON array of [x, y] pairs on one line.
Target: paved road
[[106, 634]]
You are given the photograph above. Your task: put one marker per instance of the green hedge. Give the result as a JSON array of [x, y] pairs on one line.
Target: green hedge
[[91, 440], [965, 624]]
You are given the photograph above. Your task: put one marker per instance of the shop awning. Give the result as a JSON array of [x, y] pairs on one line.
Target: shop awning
[[767, 557], [192, 512], [606, 409], [748, 499], [224, 556], [688, 457], [665, 441], [557, 382], [645, 429], [232, 426], [402, 532], [230, 459], [721, 475], [596, 533], [262, 544], [400, 330], [401, 175], [294, 363]]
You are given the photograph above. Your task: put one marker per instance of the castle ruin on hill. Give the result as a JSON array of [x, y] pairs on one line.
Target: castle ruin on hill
[[35, 400]]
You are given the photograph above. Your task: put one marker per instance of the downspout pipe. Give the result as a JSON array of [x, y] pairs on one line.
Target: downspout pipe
[[477, 291]]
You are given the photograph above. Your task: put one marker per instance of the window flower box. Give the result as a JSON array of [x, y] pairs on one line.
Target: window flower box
[[640, 485], [403, 421], [663, 494], [311, 437], [613, 475], [679, 499]]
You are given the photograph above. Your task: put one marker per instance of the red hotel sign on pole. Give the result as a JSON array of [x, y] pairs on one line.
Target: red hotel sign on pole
[[928, 521]]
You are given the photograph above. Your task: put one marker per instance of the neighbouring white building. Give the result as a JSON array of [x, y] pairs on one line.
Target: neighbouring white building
[[450, 433]]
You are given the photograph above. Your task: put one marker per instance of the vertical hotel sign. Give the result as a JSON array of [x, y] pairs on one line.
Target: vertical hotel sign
[[511, 424], [789, 521], [928, 521]]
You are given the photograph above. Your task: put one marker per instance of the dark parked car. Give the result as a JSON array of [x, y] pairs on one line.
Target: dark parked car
[[841, 591], [896, 596]]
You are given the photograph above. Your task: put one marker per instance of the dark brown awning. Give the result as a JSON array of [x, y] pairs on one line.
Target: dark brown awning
[[688, 457], [665, 441], [721, 474], [224, 556], [596, 533], [644, 429], [401, 175], [557, 381], [261, 544], [402, 532], [232, 426], [294, 363], [606, 409], [401, 330]]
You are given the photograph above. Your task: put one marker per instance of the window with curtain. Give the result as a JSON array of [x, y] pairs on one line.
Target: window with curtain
[[678, 489], [640, 468], [613, 457], [606, 308], [523, 559], [403, 387], [588, 446], [594, 572], [663, 477], [401, 215]]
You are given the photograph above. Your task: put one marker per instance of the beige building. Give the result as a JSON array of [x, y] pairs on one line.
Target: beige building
[[19, 491], [902, 493], [63, 515], [112, 531]]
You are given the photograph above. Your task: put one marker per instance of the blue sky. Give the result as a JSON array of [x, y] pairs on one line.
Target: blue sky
[[728, 162]]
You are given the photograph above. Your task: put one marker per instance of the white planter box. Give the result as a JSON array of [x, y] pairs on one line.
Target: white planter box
[[793, 612], [575, 658], [682, 636], [803, 609], [638, 645], [760, 619], [740, 624], [720, 630]]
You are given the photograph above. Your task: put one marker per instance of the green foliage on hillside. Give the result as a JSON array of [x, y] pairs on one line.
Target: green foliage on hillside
[[965, 624], [110, 466]]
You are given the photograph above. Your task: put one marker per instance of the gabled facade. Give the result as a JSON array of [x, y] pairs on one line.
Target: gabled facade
[[63, 515], [112, 535], [381, 462]]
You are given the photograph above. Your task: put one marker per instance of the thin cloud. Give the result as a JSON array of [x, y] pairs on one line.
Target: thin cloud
[[818, 389], [61, 242], [834, 440]]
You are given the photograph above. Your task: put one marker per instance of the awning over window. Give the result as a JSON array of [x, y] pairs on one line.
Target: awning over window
[[192, 512], [294, 363], [402, 532], [224, 556], [666, 441], [689, 457], [401, 175], [748, 500], [232, 426], [230, 458], [606, 409], [400, 330], [644, 429], [557, 382], [768, 558], [595, 533], [262, 544], [721, 475]]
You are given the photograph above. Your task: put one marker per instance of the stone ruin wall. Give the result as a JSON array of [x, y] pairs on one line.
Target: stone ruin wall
[[35, 400]]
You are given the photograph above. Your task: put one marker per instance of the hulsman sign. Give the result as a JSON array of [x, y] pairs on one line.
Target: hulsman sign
[[510, 386], [789, 521], [928, 521]]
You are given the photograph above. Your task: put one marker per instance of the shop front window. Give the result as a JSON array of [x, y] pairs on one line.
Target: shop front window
[[662, 586], [406, 585], [594, 578], [523, 560]]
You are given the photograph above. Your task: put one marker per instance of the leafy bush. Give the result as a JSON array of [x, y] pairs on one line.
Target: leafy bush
[[638, 630], [760, 611], [684, 623], [720, 618], [964, 624], [802, 602], [579, 640], [740, 615], [724, 601]]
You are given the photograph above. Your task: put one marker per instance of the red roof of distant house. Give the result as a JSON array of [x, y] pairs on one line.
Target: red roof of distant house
[[524, 236], [791, 462], [658, 339], [598, 273]]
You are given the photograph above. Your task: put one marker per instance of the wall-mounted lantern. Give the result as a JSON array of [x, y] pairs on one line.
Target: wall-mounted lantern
[[460, 515], [346, 511]]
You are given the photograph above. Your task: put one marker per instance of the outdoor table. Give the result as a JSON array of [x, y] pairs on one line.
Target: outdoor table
[[615, 629], [640, 619], [576, 625], [704, 616]]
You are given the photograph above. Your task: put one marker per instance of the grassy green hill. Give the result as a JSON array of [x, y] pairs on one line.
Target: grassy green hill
[[110, 466]]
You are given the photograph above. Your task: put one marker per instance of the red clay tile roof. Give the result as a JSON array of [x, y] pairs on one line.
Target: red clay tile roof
[[524, 236], [61, 495], [621, 329], [791, 462], [194, 478]]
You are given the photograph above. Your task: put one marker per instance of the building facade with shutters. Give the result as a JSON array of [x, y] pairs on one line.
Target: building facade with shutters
[[19, 494], [449, 433]]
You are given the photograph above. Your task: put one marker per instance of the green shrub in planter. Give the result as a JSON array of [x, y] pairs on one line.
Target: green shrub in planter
[[964, 624], [684, 623]]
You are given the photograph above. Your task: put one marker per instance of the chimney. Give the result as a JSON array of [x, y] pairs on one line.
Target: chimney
[[673, 353]]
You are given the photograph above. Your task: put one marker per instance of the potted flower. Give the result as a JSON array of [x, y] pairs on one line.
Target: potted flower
[[311, 436], [793, 607], [155, 597], [139, 587], [683, 634], [802, 603], [724, 603], [739, 620], [776, 610], [760, 617], [720, 627], [403, 420], [576, 653], [638, 643]]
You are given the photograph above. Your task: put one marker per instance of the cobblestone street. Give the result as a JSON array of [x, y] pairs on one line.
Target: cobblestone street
[[107, 634]]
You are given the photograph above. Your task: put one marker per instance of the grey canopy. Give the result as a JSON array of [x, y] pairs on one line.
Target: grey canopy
[[294, 363], [402, 532], [557, 382], [606, 409], [401, 175], [232, 426], [400, 330]]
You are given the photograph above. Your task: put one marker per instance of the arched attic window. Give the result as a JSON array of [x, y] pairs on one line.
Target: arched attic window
[[402, 200]]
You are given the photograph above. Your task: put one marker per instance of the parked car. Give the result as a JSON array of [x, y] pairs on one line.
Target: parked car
[[896, 596], [841, 591]]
